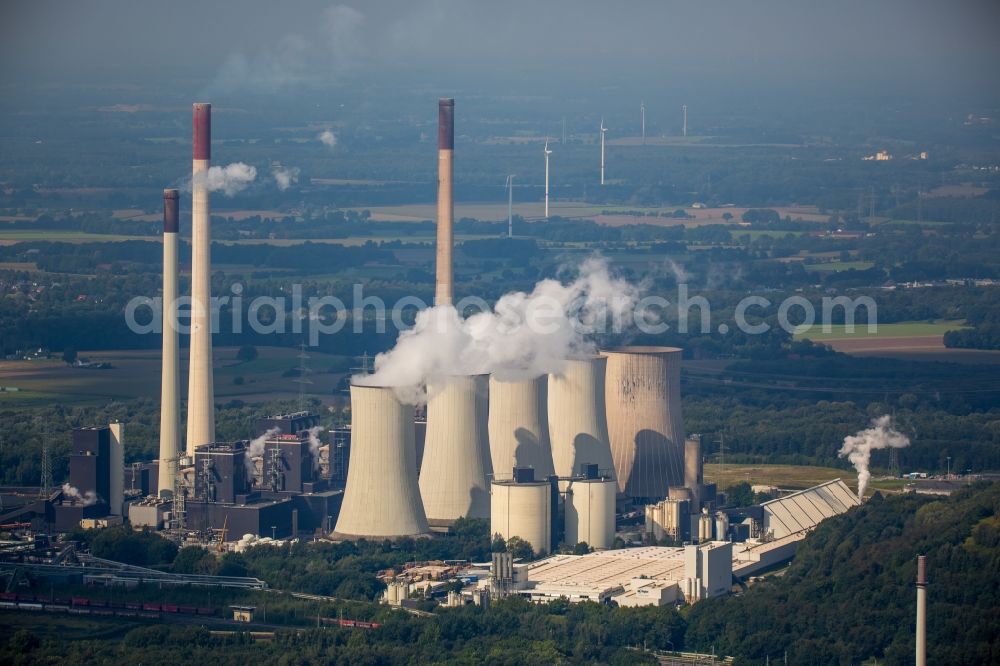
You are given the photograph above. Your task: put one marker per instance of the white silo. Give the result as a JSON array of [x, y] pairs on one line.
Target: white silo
[[590, 512], [381, 496], [455, 467], [643, 394], [578, 427], [518, 426], [523, 509], [704, 527]]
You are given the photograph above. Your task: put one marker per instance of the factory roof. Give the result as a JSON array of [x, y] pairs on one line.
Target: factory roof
[[805, 509]]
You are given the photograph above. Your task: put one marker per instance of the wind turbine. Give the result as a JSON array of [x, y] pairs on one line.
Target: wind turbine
[[510, 206], [642, 114], [547, 153], [603, 130]]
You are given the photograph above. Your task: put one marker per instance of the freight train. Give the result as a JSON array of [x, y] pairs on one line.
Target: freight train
[[99, 607]]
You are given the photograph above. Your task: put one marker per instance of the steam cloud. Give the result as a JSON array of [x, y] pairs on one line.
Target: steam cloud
[[314, 444], [285, 177], [858, 448], [524, 336], [229, 179], [88, 498], [328, 138], [256, 449]]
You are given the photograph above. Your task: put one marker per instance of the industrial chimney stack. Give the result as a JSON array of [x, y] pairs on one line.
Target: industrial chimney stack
[[921, 610], [445, 231], [169, 389], [201, 402]]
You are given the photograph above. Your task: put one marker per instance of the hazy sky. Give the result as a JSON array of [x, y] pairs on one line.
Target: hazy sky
[[919, 46]]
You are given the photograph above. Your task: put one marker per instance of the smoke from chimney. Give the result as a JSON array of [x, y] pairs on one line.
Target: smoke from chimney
[[314, 444], [88, 498], [526, 335], [858, 448], [256, 449]]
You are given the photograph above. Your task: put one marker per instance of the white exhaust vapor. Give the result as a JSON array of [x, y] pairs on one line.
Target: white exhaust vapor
[[526, 335], [314, 444], [229, 180], [256, 449], [88, 498], [858, 448], [285, 177]]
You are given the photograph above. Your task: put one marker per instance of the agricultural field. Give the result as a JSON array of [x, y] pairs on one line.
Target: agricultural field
[[793, 477], [911, 329], [137, 374]]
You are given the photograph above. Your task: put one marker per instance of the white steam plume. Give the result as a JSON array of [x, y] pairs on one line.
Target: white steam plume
[[88, 498], [523, 336], [858, 448], [285, 177], [230, 179], [328, 139], [256, 449], [681, 276], [314, 444]]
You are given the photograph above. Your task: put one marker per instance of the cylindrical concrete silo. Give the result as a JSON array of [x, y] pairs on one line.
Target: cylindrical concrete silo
[[381, 496], [523, 510], [590, 512], [518, 426], [455, 467], [704, 527], [721, 526], [578, 427], [643, 388]]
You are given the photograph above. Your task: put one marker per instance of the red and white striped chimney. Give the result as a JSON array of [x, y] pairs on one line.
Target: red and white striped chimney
[[201, 396], [445, 231], [169, 390]]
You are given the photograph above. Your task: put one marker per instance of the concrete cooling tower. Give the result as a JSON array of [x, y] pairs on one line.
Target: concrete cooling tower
[[643, 395], [456, 463], [578, 427], [519, 426], [381, 497]]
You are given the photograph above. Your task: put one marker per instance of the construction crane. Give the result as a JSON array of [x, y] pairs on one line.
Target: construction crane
[[222, 535]]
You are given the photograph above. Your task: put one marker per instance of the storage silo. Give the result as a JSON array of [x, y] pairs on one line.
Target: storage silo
[[518, 425], [523, 508], [590, 512], [455, 467], [578, 427], [381, 497], [643, 395]]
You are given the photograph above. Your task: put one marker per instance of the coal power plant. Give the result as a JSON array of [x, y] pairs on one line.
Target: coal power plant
[[560, 456]]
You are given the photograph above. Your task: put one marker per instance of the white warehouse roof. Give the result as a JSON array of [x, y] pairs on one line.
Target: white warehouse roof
[[805, 509]]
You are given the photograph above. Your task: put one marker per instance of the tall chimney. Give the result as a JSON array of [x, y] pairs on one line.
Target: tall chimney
[[445, 232], [921, 610], [200, 405], [170, 434]]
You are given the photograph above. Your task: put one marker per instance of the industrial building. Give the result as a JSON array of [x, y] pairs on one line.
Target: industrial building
[[648, 576]]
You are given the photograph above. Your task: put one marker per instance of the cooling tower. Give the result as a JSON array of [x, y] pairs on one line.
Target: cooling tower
[[523, 510], [445, 202], [590, 512], [519, 427], [578, 428], [201, 398], [455, 467], [170, 435], [643, 394], [381, 497]]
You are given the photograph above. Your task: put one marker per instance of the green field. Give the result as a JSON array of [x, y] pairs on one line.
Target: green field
[[24, 235], [794, 477], [900, 330]]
